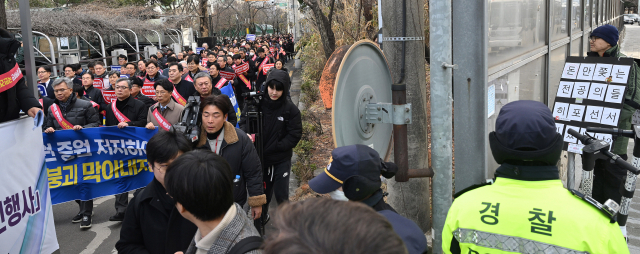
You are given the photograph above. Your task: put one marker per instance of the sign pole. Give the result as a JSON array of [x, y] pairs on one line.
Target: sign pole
[[27, 44]]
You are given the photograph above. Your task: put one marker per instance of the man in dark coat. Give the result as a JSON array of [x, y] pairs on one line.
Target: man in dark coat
[[152, 223], [183, 87], [136, 93], [235, 146], [80, 114], [18, 97], [282, 130], [91, 92], [136, 112], [258, 66]]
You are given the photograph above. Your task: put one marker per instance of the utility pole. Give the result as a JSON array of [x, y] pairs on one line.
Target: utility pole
[[27, 44], [440, 45], [410, 199]]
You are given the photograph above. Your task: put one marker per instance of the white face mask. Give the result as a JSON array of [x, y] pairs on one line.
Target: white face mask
[[338, 195], [251, 53]]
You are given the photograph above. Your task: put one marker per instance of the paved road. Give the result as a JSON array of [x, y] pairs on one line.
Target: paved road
[[103, 235]]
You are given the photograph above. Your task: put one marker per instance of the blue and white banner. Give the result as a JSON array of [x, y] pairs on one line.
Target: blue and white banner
[[96, 162], [228, 90], [26, 218], [251, 37]]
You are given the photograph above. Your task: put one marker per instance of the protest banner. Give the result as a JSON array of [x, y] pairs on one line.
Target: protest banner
[[96, 162], [26, 217]]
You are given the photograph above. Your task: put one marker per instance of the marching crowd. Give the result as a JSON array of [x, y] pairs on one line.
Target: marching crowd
[[211, 194]]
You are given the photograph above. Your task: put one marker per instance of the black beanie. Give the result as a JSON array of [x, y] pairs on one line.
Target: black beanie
[[608, 33]]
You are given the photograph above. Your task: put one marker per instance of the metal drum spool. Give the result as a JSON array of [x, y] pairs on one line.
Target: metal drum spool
[[362, 77]]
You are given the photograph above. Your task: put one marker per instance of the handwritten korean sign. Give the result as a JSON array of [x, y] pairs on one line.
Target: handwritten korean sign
[[590, 94]]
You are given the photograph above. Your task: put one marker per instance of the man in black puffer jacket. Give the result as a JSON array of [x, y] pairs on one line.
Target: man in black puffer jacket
[[75, 114], [80, 113], [282, 129], [233, 145]]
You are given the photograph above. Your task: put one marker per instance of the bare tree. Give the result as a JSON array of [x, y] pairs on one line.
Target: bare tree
[[3, 16], [323, 23]]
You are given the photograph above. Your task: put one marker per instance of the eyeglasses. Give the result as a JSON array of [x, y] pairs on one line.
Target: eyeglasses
[[60, 90], [121, 87], [42, 72], [593, 38]]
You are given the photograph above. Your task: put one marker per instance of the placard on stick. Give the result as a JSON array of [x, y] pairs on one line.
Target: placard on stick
[[590, 94]]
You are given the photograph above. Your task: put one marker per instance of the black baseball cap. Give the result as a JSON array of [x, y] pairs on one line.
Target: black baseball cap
[[356, 168]]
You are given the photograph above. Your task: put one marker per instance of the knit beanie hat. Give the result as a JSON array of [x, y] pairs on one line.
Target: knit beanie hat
[[608, 33]]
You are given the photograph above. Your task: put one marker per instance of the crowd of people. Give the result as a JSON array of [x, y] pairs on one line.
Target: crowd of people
[[211, 194]]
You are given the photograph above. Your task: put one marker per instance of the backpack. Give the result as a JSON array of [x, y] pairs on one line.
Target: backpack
[[245, 245]]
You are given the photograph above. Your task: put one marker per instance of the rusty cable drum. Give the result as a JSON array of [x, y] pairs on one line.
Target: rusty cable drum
[[362, 77]]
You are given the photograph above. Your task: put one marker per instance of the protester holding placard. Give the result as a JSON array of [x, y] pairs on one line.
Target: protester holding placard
[[166, 112], [242, 84], [100, 72], [259, 63], [608, 177], [124, 112], [91, 92]]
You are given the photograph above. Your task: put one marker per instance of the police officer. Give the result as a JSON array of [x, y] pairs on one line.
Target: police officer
[[527, 209], [353, 174]]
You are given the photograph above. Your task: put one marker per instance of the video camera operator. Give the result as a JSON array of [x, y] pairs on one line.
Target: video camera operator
[[528, 202], [282, 130]]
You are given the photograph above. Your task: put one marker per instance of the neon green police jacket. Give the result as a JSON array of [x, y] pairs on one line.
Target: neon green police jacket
[[515, 216]]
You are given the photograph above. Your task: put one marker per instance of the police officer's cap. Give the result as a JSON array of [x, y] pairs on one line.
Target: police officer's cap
[[526, 135], [355, 168]]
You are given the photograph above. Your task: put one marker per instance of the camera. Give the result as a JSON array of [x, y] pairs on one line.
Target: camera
[[190, 122]]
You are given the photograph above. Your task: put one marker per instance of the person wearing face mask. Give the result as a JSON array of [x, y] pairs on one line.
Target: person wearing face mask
[[353, 174], [282, 130], [355, 167]]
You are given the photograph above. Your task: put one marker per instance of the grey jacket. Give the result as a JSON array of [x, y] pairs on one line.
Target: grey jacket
[[240, 228], [79, 112]]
